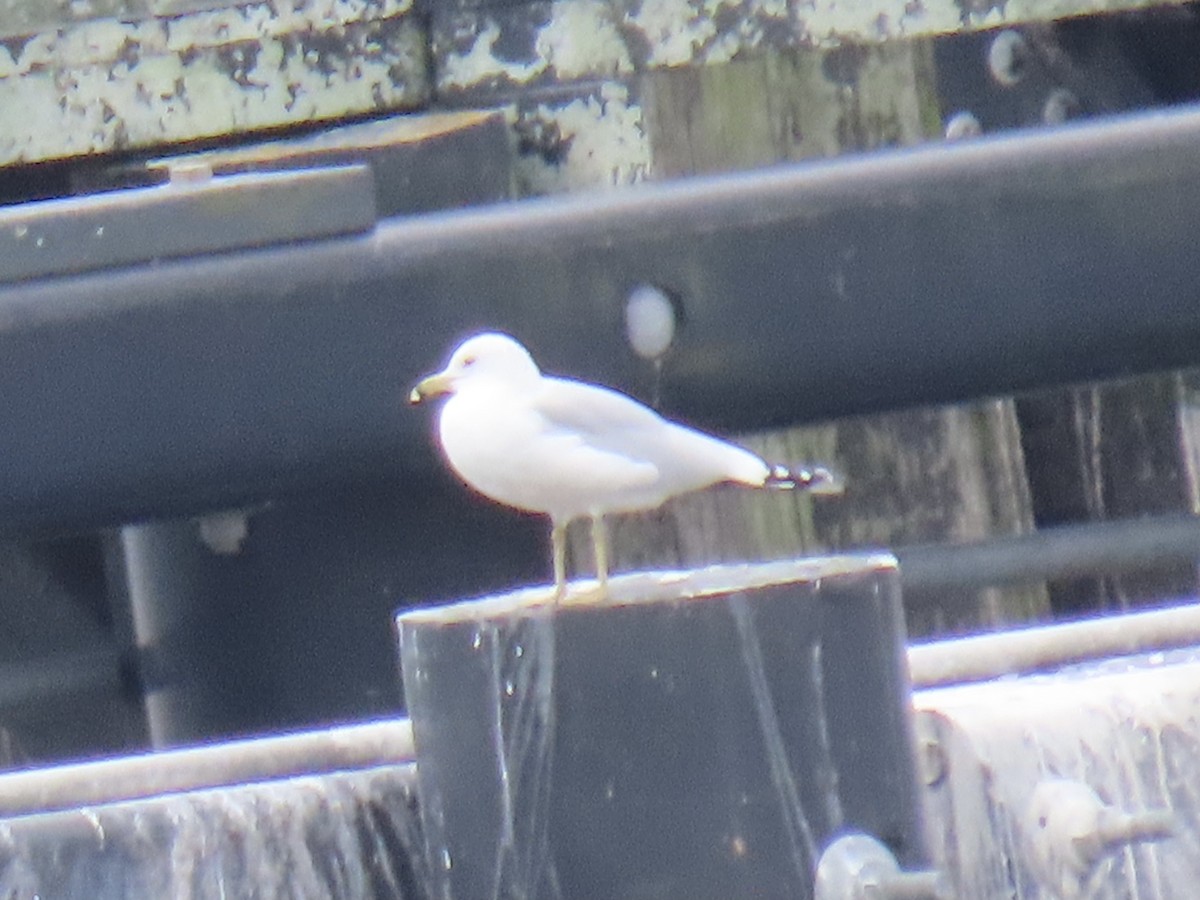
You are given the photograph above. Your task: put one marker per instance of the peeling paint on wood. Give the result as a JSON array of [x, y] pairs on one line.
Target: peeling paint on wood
[[545, 42], [26, 17], [536, 42], [679, 121], [596, 139], [108, 85]]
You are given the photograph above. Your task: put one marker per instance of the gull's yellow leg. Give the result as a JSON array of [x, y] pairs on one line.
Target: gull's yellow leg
[[558, 544], [600, 549]]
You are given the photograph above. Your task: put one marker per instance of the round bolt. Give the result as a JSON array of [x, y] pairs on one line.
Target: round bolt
[[1008, 58], [858, 867], [1070, 830], [1061, 106]]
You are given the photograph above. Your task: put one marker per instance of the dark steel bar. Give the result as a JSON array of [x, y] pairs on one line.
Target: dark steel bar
[[193, 213], [1069, 551], [807, 291]]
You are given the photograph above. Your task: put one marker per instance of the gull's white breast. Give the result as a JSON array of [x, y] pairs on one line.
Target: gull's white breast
[[499, 444]]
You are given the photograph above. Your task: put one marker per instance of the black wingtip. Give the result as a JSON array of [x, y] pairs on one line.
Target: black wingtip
[[814, 479]]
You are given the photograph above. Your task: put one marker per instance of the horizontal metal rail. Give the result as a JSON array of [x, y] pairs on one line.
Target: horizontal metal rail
[[385, 742], [806, 291], [1048, 647], [1068, 551], [1062, 552]]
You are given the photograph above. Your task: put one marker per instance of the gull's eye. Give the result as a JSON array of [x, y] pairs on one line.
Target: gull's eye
[[468, 362]]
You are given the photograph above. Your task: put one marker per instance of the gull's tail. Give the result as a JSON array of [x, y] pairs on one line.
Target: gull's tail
[[814, 479]]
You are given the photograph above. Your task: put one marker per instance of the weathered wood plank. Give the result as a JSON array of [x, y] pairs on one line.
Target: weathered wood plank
[[1115, 451]]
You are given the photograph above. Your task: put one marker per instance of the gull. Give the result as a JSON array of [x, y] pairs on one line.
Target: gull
[[570, 449]]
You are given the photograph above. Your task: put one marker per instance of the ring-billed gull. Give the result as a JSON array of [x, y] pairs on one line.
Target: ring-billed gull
[[569, 449]]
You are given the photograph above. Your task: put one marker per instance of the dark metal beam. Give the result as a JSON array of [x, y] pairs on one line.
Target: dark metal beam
[[1068, 551], [807, 291], [192, 213]]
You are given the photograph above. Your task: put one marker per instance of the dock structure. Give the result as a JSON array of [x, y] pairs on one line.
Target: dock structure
[[944, 247]]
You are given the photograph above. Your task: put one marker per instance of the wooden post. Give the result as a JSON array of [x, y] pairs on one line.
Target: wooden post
[[700, 734]]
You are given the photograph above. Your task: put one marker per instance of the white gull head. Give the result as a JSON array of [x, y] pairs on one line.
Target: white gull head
[[490, 358]]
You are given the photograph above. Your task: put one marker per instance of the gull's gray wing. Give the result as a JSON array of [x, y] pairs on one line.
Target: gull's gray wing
[[591, 410], [613, 422]]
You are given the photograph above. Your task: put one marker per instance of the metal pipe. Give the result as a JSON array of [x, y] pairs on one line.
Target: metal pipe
[[385, 742], [1031, 649], [1067, 551]]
